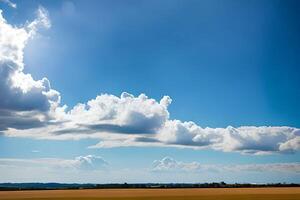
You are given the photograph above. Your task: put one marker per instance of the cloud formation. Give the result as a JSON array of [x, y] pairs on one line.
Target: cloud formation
[[31, 108], [80, 169], [89, 162], [246, 139], [23, 101], [168, 164]]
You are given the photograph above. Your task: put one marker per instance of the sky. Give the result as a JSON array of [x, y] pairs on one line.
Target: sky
[[149, 91]]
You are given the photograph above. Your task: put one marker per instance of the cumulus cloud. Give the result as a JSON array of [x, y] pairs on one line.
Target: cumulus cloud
[[168, 164], [23, 101], [88, 162], [246, 139], [31, 108], [124, 114], [291, 145], [107, 117]]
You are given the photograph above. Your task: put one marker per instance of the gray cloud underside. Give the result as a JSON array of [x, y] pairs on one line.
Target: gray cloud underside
[[31, 108]]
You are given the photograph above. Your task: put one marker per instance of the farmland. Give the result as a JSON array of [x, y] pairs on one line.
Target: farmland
[[149, 194]]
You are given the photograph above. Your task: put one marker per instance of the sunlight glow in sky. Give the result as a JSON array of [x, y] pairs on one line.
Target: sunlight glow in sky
[[149, 91]]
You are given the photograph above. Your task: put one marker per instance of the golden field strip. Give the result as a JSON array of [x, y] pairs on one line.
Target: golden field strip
[[149, 194]]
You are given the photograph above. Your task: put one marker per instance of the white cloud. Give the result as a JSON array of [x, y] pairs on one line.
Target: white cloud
[[125, 114], [10, 3], [24, 101], [88, 162], [246, 139], [80, 169], [31, 108], [168, 164], [291, 145], [42, 20]]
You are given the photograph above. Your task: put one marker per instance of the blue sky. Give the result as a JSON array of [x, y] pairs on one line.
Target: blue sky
[[232, 66]]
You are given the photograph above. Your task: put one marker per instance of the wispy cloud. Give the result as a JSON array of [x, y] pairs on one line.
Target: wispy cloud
[[81, 169], [88, 162], [10, 3]]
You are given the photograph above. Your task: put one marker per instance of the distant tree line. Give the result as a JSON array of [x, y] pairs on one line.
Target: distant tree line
[[54, 186]]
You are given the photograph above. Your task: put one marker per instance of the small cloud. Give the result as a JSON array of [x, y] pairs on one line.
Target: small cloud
[[168, 164], [35, 151], [89, 162], [10, 3], [42, 20]]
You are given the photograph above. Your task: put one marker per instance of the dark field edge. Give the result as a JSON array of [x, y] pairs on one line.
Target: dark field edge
[[67, 186]]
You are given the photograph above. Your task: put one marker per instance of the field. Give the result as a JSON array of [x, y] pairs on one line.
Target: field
[[168, 194]]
